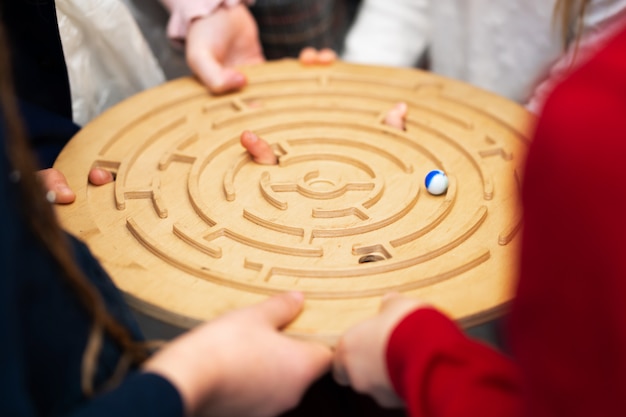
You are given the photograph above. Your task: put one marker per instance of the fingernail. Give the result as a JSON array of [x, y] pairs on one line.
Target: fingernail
[[390, 295], [64, 190], [252, 137], [51, 196], [239, 78], [296, 295]]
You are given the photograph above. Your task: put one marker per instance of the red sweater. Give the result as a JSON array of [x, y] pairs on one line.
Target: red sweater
[[568, 321]]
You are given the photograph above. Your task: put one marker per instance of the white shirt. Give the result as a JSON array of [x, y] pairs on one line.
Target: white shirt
[[505, 46], [106, 55]]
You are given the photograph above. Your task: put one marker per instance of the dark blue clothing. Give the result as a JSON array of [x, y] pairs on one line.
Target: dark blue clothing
[[40, 75], [37, 54], [43, 326], [45, 330], [48, 132]]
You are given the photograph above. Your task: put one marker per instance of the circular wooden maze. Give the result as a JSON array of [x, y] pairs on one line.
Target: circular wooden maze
[[193, 228]]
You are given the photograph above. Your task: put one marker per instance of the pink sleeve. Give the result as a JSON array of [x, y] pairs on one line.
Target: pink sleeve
[[438, 371], [182, 12]]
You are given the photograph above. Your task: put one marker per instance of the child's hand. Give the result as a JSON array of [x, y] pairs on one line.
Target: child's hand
[[360, 354], [311, 56], [241, 364], [218, 43], [57, 188], [258, 148]]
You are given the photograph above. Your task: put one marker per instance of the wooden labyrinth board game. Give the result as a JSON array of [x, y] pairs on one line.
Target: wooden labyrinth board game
[[193, 228]]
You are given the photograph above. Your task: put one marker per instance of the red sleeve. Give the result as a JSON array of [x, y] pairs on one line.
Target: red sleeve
[[568, 322], [438, 371]]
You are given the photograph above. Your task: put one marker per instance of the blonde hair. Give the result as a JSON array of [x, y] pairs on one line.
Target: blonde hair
[[40, 217]]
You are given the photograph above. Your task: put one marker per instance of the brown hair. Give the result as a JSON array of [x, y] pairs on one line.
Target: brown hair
[[41, 219], [568, 17]]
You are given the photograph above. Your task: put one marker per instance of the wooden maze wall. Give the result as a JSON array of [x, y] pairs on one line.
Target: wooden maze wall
[[192, 227]]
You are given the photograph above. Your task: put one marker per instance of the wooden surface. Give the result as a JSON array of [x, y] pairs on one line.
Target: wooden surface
[[192, 228]]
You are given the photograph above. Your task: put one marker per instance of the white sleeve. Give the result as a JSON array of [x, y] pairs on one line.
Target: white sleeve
[[106, 55], [389, 32]]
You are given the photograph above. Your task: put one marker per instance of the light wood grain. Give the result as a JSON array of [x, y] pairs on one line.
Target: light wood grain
[[193, 228]]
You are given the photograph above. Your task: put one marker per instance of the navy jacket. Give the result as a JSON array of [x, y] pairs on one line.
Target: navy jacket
[[44, 331], [44, 328], [40, 75]]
